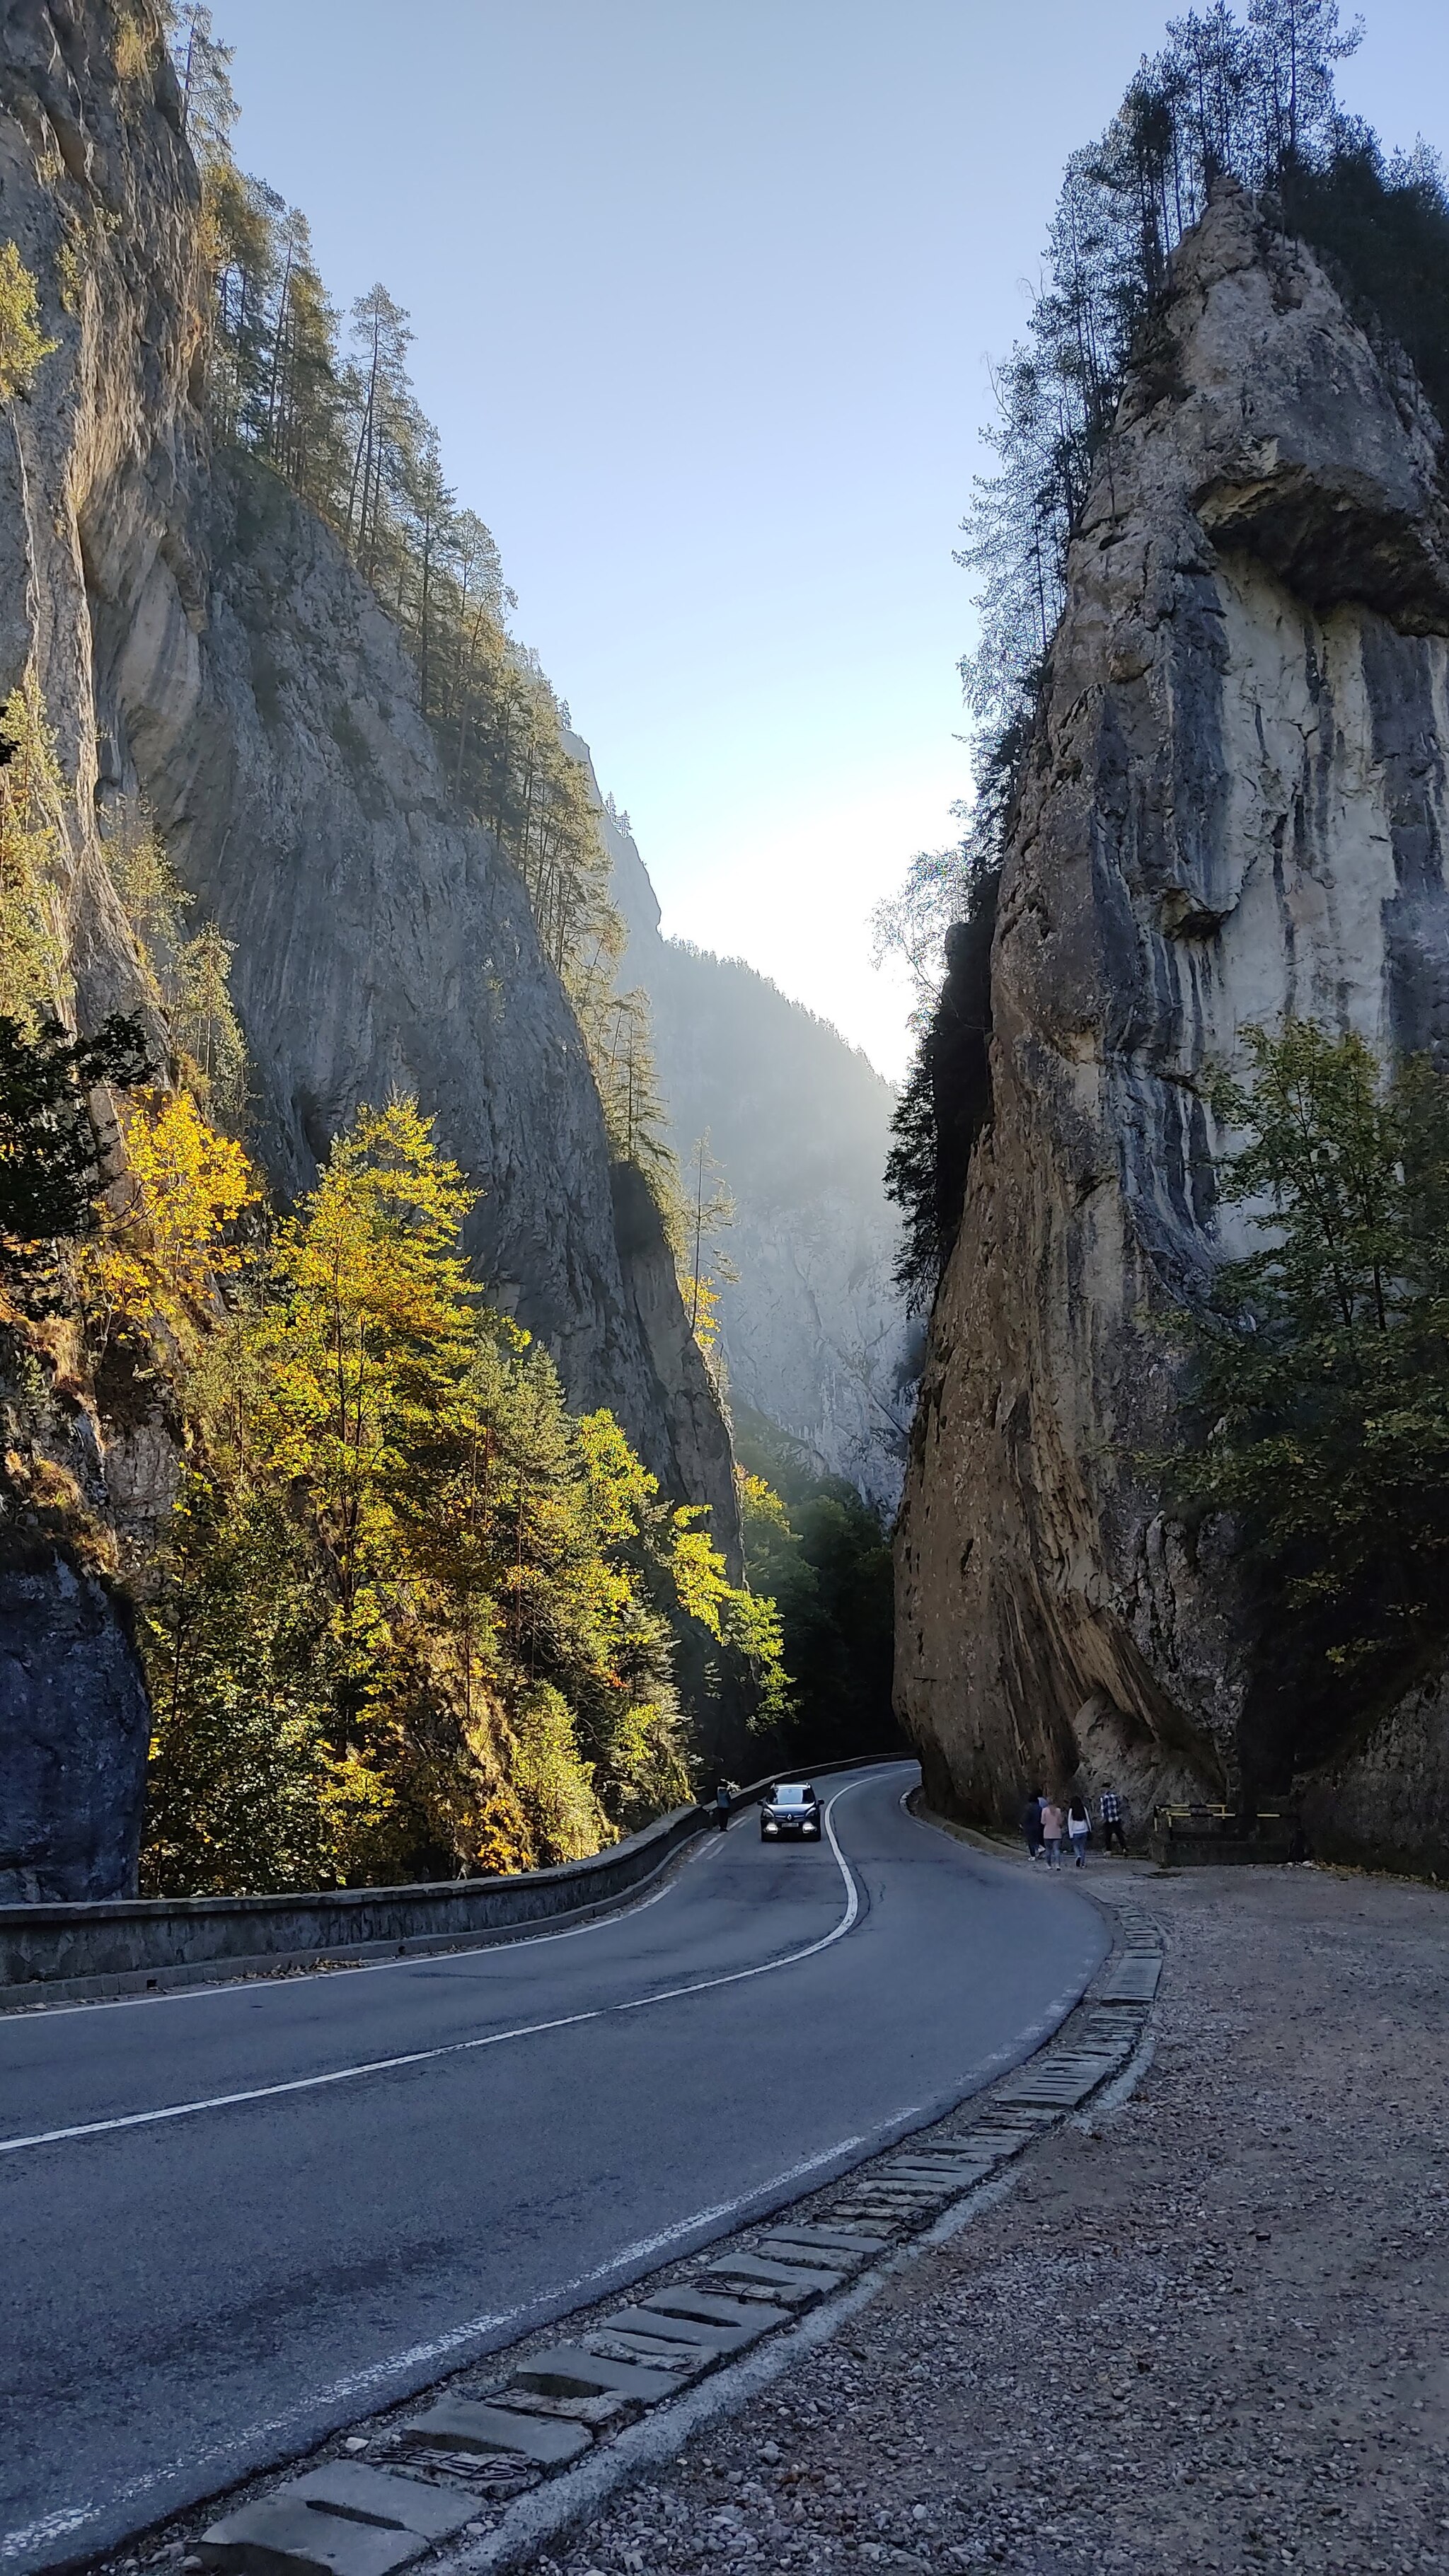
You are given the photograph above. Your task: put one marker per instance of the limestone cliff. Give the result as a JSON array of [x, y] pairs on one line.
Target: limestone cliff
[[813, 1330], [201, 641], [1236, 805], [381, 943]]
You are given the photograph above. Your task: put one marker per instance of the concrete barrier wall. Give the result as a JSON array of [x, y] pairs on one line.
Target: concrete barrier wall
[[136, 1945]]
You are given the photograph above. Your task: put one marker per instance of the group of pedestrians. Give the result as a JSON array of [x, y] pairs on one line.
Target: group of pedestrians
[[1049, 1826]]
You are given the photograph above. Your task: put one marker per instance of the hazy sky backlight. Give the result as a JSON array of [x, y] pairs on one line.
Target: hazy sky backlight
[[703, 298]]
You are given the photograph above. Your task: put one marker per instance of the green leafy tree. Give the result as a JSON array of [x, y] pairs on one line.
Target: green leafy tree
[[465, 1605], [243, 1782], [821, 1556], [1320, 1367], [50, 1153]]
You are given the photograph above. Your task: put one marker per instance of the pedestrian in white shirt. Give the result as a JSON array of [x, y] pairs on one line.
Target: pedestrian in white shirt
[[1079, 1826]]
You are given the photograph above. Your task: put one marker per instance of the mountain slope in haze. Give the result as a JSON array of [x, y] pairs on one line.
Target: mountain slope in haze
[[814, 1333]]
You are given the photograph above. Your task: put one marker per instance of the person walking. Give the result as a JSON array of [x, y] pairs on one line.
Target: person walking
[[1079, 1827], [1051, 1832], [1031, 1824], [722, 1805], [1110, 1809]]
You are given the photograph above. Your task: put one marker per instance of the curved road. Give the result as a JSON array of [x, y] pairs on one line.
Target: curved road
[[235, 2218]]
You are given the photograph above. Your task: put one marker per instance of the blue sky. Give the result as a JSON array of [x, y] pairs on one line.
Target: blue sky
[[704, 293]]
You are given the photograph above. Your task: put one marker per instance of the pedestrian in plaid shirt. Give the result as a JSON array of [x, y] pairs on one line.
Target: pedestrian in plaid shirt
[[1110, 1806]]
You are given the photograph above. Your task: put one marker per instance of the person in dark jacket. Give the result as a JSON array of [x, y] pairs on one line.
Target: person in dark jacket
[[1031, 1824]]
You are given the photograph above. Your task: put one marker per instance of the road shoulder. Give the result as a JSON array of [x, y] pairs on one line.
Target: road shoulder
[[1203, 2329]]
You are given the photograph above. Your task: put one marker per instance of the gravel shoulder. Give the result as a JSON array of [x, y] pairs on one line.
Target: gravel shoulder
[[1204, 2330]]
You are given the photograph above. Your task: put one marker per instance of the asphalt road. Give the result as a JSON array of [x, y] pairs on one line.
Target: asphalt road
[[235, 2218]]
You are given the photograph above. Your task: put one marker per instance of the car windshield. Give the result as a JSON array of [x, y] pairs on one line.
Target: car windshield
[[794, 1794]]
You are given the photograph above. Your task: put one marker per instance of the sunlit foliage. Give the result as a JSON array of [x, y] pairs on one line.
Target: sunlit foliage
[[34, 982], [822, 1559], [22, 342], [186, 977], [453, 1600]]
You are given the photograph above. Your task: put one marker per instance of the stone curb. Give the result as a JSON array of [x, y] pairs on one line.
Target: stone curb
[[543, 2431]]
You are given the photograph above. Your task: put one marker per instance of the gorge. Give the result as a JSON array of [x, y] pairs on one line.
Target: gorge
[[813, 1329], [249, 643]]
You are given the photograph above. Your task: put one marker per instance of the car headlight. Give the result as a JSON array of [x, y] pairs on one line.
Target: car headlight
[[770, 1825]]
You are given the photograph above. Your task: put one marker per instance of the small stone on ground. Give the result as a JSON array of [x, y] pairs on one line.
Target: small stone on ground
[[1204, 2331]]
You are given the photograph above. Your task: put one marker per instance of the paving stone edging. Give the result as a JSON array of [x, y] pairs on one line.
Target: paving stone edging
[[520, 2446]]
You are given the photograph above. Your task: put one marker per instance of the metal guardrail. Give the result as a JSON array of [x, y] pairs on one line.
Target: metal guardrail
[[1210, 1833], [1231, 1815], [138, 1945]]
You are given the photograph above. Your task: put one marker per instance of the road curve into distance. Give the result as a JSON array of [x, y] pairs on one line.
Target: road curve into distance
[[237, 2217]]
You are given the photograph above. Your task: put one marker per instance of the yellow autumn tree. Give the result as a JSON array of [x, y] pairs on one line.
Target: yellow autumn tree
[[415, 1617], [370, 1343], [22, 342], [167, 1230]]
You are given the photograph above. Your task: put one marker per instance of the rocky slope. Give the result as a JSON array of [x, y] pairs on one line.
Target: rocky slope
[[201, 642], [813, 1332], [1237, 806]]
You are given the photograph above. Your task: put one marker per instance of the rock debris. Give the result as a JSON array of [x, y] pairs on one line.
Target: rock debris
[[1206, 2330]]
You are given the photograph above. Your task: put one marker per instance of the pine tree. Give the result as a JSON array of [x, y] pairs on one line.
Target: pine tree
[[465, 1653]]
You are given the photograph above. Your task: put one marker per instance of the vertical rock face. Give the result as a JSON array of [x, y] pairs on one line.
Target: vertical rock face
[[72, 1712], [1237, 807], [382, 944], [200, 640], [813, 1331], [99, 194]]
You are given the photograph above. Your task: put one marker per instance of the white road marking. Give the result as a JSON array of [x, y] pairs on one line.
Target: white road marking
[[359, 2384], [239, 2452], [735, 1975], [260, 1983], [455, 2047], [298, 2084]]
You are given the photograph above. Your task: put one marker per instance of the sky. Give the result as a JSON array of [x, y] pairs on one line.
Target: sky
[[704, 296]]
